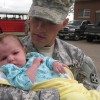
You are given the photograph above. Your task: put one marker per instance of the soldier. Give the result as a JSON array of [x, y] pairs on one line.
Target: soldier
[[46, 19]]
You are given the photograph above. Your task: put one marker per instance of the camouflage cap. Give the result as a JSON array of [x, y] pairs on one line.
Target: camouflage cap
[[53, 10]]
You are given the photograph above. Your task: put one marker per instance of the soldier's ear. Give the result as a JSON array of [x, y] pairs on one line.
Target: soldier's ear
[[65, 22]]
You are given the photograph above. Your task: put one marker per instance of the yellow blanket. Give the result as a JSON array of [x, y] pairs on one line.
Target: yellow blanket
[[69, 89]]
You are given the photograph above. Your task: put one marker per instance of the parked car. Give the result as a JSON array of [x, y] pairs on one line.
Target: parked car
[[74, 30], [93, 32]]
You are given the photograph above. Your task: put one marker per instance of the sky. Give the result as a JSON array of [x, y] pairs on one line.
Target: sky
[[23, 5], [19, 5]]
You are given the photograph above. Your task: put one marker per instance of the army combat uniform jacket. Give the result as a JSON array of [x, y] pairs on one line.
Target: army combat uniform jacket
[[13, 93], [81, 65]]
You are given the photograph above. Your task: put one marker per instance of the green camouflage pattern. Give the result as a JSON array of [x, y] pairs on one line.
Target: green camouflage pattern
[[81, 65], [13, 93], [53, 10]]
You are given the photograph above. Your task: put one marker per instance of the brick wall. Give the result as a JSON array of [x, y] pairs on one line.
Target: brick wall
[[94, 7]]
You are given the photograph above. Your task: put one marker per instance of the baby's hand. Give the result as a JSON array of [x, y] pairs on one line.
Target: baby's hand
[[38, 61], [59, 68]]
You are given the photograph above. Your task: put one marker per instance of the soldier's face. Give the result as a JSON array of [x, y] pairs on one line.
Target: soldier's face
[[43, 32]]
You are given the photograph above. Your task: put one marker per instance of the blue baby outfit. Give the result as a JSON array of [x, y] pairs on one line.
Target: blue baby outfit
[[17, 76]]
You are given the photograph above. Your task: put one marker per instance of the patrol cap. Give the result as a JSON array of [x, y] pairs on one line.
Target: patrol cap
[[53, 10]]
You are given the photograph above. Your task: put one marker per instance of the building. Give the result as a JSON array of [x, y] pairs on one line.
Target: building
[[87, 10]]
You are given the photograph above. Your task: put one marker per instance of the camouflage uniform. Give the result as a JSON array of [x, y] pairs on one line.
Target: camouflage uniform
[[13, 93], [81, 65]]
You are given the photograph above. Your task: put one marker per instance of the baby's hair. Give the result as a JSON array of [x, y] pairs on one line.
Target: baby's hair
[[3, 35]]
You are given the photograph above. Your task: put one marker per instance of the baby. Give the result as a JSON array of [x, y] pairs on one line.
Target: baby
[[22, 69]]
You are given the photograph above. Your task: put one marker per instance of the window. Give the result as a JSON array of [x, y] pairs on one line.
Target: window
[[85, 13]]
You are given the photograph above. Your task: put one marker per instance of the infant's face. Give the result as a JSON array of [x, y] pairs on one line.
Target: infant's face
[[12, 52]]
